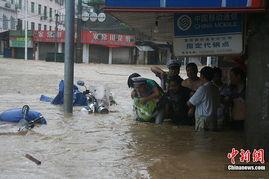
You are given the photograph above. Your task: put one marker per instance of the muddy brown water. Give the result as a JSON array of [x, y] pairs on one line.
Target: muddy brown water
[[101, 146]]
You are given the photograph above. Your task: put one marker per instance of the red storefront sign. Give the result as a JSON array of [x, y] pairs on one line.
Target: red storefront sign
[[48, 36], [106, 39]]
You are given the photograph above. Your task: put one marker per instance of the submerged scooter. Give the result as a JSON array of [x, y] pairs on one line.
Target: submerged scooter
[[26, 117], [28, 124], [96, 104]]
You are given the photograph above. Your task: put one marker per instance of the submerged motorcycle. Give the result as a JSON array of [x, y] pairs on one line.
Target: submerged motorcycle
[[99, 99]]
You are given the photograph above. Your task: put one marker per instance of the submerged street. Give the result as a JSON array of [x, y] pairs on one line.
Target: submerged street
[[102, 146]]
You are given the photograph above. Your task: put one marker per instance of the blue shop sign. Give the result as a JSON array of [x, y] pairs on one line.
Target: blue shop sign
[[206, 24], [208, 34]]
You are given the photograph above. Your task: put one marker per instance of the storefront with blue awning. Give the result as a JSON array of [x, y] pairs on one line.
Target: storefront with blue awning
[[223, 28]]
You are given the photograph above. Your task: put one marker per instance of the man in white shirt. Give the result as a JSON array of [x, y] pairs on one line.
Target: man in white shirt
[[205, 101]]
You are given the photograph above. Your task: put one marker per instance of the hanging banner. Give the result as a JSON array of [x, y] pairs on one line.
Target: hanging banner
[[107, 39], [98, 38], [208, 34], [48, 36]]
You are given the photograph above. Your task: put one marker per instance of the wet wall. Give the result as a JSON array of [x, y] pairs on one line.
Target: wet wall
[[257, 122]]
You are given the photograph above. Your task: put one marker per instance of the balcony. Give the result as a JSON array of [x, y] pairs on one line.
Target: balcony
[[7, 6]]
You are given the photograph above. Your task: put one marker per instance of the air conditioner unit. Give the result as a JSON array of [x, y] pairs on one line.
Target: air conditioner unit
[[13, 6], [8, 5]]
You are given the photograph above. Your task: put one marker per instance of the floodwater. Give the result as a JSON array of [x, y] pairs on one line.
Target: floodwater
[[101, 146]]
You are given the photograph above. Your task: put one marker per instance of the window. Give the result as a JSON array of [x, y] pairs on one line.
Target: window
[[32, 26], [39, 26], [50, 28], [45, 27], [45, 11], [5, 22], [50, 12], [39, 9], [32, 7], [59, 17], [13, 23], [20, 4], [19, 24]]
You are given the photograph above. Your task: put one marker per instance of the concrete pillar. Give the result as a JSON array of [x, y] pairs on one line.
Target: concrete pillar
[[208, 61], [1, 47], [110, 56], [146, 57], [257, 120], [185, 61], [60, 47], [37, 52], [85, 53], [130, 55]]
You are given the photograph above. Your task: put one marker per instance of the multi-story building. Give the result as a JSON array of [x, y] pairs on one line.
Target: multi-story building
[[8, 15], [41, 14]]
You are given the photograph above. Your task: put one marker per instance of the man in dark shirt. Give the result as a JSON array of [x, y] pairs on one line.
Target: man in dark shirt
[[178, 97], [174, 69]]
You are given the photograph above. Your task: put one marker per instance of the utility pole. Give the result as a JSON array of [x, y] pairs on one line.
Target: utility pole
[[55, 36], [79, 26], [25, 30], [69, 56]]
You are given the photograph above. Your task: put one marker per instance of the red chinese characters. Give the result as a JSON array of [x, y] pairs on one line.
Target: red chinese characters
[[232, 155], [245, 156], [258, 155]]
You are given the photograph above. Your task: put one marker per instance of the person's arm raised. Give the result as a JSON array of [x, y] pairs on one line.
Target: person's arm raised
[[157, 70]]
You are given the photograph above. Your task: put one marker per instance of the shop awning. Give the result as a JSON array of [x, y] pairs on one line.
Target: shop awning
[[144, 48], [185, 6], [4, 35], [144, 16]]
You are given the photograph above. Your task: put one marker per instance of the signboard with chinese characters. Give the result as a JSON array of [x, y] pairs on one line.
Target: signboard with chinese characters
[[98, 38], [48, 36], [20, 42], [208, 34], [108, 39]]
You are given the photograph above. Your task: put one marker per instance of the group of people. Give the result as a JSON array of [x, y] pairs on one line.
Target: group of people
[[203, 101]]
